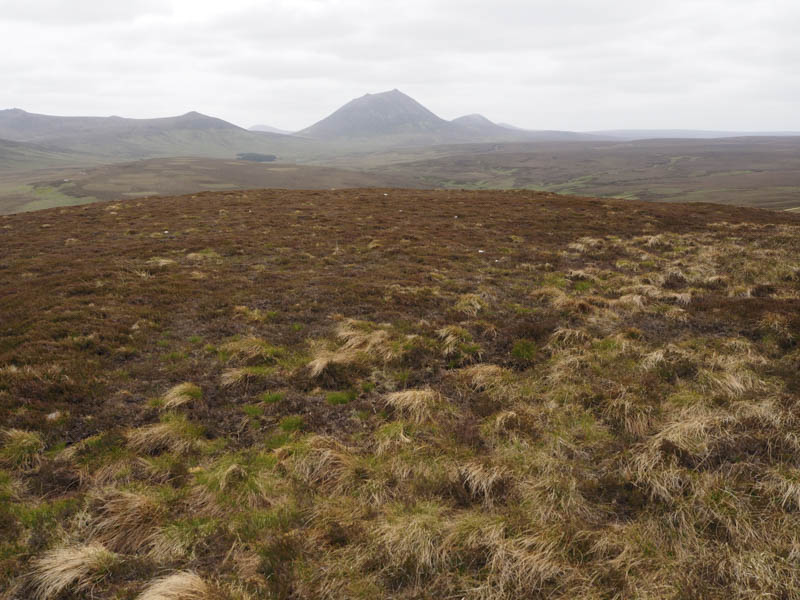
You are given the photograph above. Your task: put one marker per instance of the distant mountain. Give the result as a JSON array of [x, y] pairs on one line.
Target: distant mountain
[[22, 126], [269, 129], [509, 126], [380, 115], [393, 118], [480, 125], [117, 138]]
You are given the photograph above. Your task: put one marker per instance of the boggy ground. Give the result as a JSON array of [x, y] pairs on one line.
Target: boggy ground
[[406, 394]]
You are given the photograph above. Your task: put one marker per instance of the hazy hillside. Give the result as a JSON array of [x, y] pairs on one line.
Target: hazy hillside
[[25, 156], [16, 124], [270, 129], [481, 126], [117, 138]]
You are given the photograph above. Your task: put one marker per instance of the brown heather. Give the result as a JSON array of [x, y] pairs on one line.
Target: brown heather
[[305, 395]]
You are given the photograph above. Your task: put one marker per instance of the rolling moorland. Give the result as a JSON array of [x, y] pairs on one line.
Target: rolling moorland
[[386, 139], [399, 394]]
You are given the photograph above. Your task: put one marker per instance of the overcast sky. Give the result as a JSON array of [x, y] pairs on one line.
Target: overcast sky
[[566, 64]]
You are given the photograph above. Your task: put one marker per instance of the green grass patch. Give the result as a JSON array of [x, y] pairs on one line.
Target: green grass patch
[[524, 350], [291, 423], [253, 411], [338, 398], [272, 397]]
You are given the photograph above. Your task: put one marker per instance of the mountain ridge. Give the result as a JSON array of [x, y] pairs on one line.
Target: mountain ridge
[[373, 115], [394, 118], [120, 138]]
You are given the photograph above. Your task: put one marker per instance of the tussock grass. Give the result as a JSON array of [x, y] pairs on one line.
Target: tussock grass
[[413, 539], [160, 262], [484, 481], [47, 374], [181, 395], [471, 304], [330, 465], [484, 376], [75, 569], [323, 359], [451, 337], [457, 344], [180, 540], [731, 384], [617, 418], [175, 433], [183, 585], [127, 520], [360, 336], [500, 384], [238, 480], [255, 315], [567, 336], [242, 376], [631, 302], [252, 348], [417, 405], [361, 343], [21, 449]]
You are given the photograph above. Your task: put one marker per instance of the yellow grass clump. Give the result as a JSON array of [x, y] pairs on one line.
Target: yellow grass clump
[[181, 395], [21, 449], [73, 568], [470, 304], [361, 342], [252, 348], [175, 433], [127, 520], [417, 405], [183, 585]]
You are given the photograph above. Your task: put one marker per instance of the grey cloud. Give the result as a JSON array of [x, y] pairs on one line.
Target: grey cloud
[[67, 12], [578, 64]]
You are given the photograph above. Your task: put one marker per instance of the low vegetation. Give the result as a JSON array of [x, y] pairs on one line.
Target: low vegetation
[[377, 394]]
